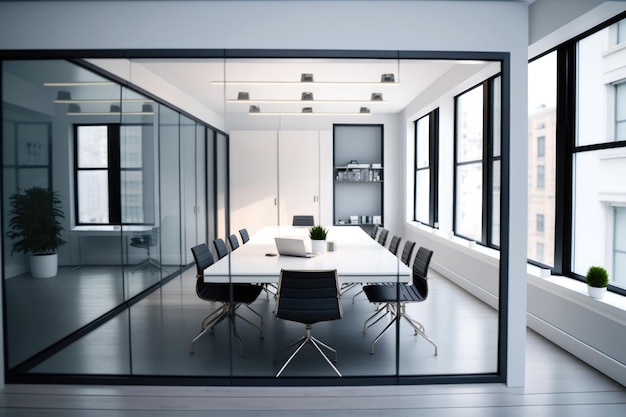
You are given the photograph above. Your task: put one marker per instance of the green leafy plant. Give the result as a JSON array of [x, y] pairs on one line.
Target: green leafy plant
[[34, 221], [597, 277], [318, 233]]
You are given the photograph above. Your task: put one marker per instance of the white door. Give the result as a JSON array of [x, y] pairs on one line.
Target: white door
[[298, 185], [253, 180]]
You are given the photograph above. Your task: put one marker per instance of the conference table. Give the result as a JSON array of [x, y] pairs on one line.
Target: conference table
[[357, 258]]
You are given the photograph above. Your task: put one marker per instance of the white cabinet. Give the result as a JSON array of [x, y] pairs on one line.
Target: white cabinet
[[275, 175], [298, 176], [253, 180]]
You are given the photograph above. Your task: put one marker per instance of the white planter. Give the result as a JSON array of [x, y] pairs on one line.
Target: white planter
[[44, 266], [595, 292], [318, 245]]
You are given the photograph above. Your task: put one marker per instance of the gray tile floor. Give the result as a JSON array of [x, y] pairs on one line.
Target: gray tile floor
[[161, 326]]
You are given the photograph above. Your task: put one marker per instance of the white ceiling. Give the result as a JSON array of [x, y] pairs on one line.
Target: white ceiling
[[334, 79]]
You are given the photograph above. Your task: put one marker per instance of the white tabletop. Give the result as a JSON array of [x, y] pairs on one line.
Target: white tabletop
[[357, 258]]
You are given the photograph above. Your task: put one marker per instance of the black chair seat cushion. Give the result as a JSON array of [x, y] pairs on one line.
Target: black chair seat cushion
[[390, 293], [242, 293]]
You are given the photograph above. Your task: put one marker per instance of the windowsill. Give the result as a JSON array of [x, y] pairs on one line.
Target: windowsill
[[612, 305]]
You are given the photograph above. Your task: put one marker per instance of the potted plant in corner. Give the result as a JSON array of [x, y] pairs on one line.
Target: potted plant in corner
[[318, 238], [597, 281], [34, 223]]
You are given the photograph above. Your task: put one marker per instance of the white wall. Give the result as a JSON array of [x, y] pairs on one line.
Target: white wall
[[349, 25]]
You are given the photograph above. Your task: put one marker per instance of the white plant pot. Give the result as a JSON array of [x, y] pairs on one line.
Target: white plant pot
[[318, 245], [44, 266], [595, 292]]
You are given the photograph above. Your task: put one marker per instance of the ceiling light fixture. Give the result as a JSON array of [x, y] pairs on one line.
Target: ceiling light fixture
[[78, 83]]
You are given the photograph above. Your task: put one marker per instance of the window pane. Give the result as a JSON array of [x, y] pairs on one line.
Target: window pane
[[469, 201], [495, 204], [542, 158], [422, 147], [470, 125], [497, 116], [619, 247], [131, 147], [132, 197], [92, 147], [93, 204], [596, 177], [599, 67], [422, 196]]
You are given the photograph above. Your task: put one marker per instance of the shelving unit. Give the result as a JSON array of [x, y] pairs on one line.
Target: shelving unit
[[358, 175]]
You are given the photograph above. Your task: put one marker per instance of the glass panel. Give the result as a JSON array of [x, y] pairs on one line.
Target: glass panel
[[620, 111], [497, 116], [596, 173], [495, 209], [469, 201], [93, 147], [88, 282], [422, 196], [599, 115], [618, 277], [469, 113], [422, 149], [93, 205], [542, 158]]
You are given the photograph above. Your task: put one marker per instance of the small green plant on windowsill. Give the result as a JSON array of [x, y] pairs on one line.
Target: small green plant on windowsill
[[318, 233], [597, 281]]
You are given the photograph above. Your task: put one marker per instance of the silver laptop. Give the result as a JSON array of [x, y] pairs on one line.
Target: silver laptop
[[291, 246]]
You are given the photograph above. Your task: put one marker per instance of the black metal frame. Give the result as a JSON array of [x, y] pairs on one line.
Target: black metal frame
[[499, 376]]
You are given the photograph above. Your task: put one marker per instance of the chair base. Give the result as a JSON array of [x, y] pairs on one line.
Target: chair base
[[152, 263], [391, 308], [225, 312], [308, 339]]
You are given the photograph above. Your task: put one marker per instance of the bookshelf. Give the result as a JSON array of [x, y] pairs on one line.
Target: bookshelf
[[358, 175]]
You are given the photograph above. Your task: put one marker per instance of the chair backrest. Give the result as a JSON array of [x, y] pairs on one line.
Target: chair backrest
[[244, 235], [407, 251], [234, 243], [302, 220], [203, 258], [420, 270], [374, 231], [382, 237], [308, 296], [395, 243], [220, 247]]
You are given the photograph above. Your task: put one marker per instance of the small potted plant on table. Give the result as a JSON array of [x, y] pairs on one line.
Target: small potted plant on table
[[597, 281], [35, 226], [318, 238]]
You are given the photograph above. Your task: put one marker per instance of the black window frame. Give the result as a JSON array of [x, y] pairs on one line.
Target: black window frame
[[433, 166], [487, 162]]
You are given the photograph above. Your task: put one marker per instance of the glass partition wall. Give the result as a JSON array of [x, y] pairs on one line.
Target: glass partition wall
[[140, 183]]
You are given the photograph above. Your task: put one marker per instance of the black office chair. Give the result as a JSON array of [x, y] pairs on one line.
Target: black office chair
[[407, 252], [245, 237], [382, 237], [234, 243], [396, 296], [242, 294], [147, 241], [394, 244], [374, 231], [308, 297], [220, 247], [300, 220]]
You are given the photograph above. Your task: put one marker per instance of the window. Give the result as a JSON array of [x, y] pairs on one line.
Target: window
[[541, 146], [598, 158], [426, 175], [542, 79], [619, 247], [109, 174], [540, 219], [620, 111], [478, 162], [541, 177]]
